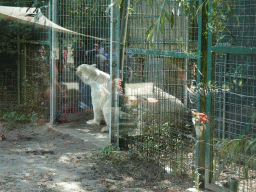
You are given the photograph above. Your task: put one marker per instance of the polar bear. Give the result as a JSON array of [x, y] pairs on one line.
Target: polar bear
[[100, 91]]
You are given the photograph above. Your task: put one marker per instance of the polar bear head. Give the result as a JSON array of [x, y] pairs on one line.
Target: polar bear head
[[90, 74], [87, 72]]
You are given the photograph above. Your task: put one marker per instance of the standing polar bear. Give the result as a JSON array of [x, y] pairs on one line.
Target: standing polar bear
[[100, 91]]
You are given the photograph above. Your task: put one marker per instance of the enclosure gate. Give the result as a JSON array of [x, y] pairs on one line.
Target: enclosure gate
[[158, 82], [154, 77], [44, 45], [91, 40], [231, 100]]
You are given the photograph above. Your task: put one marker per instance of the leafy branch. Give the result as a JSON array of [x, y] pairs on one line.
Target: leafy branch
[[38, 4], [243, 144], [159, 24]]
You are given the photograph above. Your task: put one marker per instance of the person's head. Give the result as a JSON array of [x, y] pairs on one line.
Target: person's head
[[96, 47], [106, 50], [80, 44]]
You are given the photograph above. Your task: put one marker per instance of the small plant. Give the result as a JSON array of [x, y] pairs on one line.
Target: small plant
[[11, 124], [197, 181], [18, 115], [108, 150], [242, 145]]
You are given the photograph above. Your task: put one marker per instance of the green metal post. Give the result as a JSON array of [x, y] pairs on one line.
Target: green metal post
[[23, 73], [208, 157], [200, 130], [115, 69], [19, 70], [209, 126]]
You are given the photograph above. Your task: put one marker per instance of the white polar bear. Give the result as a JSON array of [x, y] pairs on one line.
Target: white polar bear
[[100, 91]]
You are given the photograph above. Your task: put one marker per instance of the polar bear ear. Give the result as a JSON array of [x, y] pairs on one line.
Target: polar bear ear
[[94, 65], [78, 71], [80, 68]]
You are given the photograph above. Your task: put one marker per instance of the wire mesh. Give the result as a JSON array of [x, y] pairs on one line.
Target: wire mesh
[[90, 19], [156, 100], [8, 80], [234, 97], [234, 115], [237, 27], [25, 58], [177, 36], [70, 95], [35, 77], [235, 81], [155, 116]]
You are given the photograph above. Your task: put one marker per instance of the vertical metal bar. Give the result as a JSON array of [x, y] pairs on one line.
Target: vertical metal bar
[[198, 77], [111, 66], [19, 80], [124, 25], [19, 75], [199, 55], [186, 64], [53, 66], [115, 72], [23, 62], [224, 100], [208, 157]]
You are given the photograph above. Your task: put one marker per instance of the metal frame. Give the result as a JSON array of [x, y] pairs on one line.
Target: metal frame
[[210, 126], [173, 54]]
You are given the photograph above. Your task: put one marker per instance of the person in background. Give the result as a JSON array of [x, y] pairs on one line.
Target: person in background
[[79, 54], [101, 50], [65, 56], [84, 89], [106, 54], [91, 55], [107, 61]]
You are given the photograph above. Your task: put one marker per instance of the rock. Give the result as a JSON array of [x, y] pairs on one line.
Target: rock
[[191, 190], [110, 181], [2, 137]]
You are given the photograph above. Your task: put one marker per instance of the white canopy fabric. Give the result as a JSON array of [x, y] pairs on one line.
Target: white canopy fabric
[[25, 15]]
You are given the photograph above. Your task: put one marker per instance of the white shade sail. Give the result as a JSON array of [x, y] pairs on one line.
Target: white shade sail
[[30, 16]]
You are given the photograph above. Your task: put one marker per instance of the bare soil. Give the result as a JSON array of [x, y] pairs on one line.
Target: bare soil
[[38, 158]]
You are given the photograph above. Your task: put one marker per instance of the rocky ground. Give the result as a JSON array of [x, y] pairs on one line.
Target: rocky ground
[[39, 158]]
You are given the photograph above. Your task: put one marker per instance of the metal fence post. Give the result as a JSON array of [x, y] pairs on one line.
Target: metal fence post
[[200, 153]]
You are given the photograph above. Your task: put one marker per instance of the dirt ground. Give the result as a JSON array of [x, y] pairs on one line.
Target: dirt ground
[[39, 158]]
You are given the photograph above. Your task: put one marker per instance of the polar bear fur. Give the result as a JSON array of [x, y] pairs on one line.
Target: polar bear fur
[[100, 92]]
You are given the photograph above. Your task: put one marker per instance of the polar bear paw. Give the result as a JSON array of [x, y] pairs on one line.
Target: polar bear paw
[[93, 122], [105, 129]]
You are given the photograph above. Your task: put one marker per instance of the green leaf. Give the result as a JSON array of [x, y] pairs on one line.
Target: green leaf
[[169, 18], [150, 31], [239, 146], [232, 4], [246, 172], [162, 28], [250, 144], [150, 3], [240, 83], [109, 7], [246, 146], [218, 139], [232, 149], [120, 3], [233, 37]]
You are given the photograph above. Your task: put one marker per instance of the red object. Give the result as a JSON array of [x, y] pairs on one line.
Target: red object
[[202, 117], [65, 55]]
